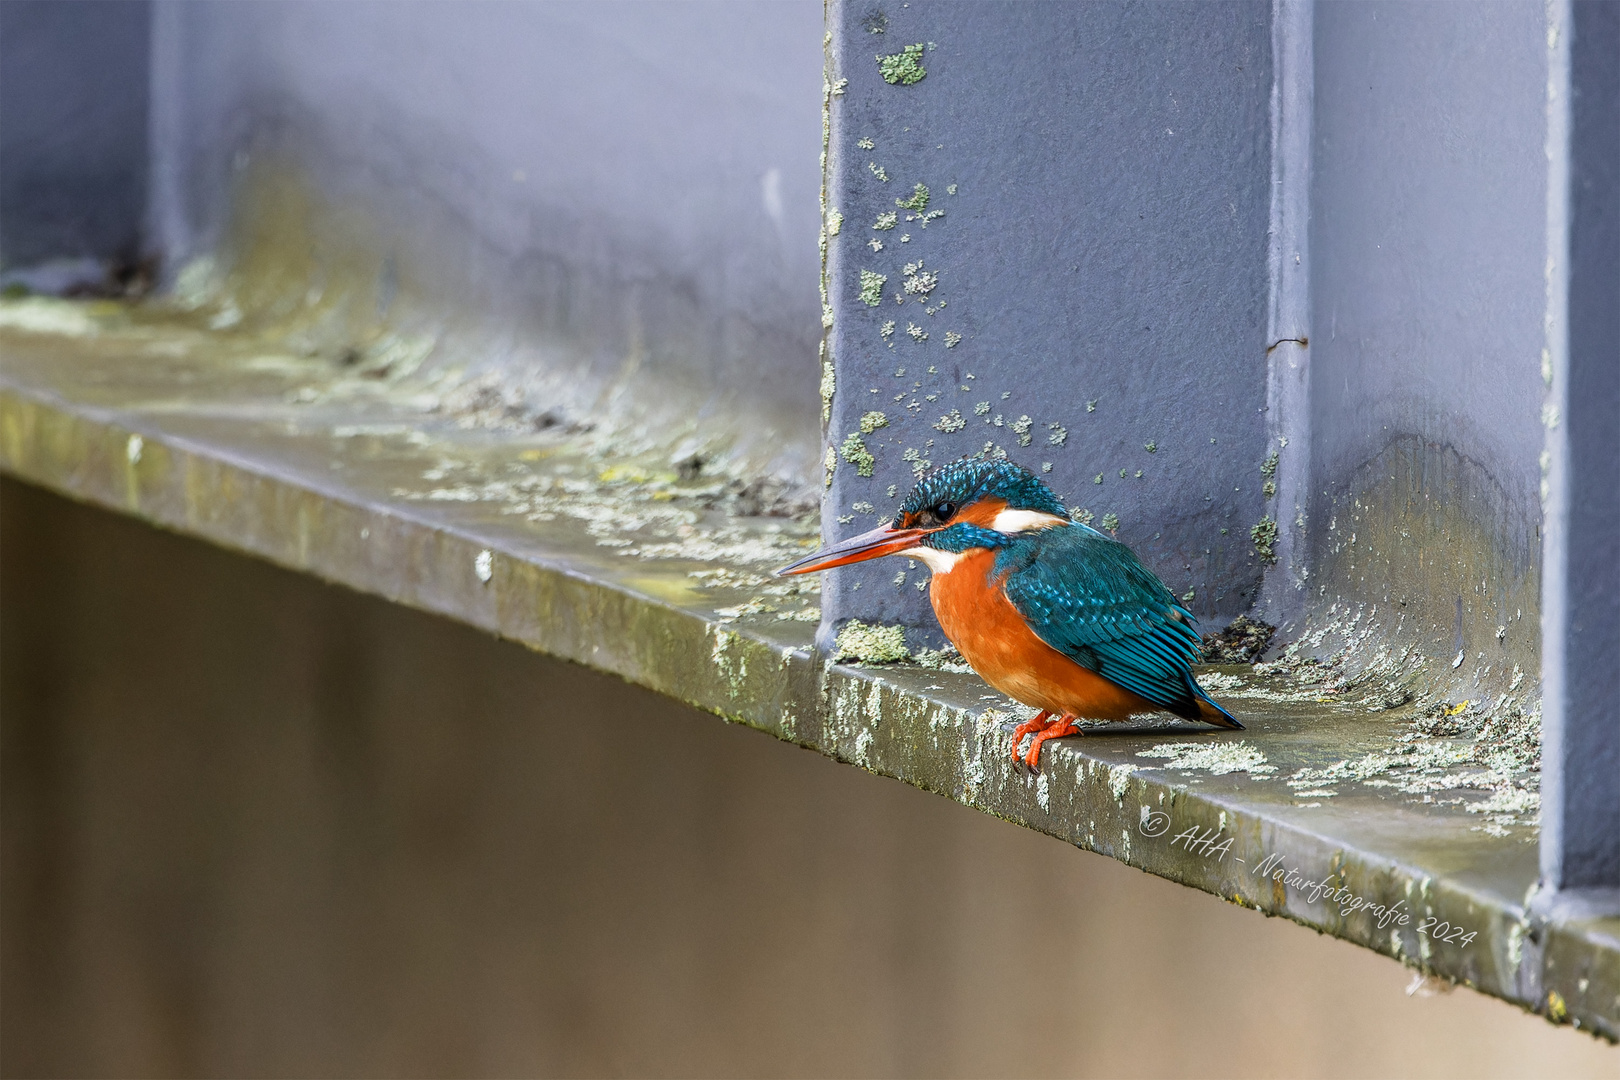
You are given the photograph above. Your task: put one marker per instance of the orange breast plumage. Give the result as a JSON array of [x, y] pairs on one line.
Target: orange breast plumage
[[998, 643]]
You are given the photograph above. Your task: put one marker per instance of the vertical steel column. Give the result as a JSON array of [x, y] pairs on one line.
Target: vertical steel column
[[1046, 239], [1288, 345], [1580, 843]]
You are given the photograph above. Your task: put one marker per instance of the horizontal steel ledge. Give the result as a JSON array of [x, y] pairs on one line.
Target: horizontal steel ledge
[[536, 538]]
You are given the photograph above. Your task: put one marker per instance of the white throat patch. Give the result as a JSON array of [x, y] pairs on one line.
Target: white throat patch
[[940, 562]]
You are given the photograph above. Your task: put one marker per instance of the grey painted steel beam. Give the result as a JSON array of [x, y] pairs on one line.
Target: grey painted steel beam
[[537, 538], [1581, 590]]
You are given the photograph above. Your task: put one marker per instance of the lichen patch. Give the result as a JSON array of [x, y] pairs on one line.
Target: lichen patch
[[872, 287], [871, 644], [1217, 758], [903, 68], [855, 452]]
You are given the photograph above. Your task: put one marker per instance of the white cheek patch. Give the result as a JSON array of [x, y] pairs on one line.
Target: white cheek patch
[[940, 562], [1017, 521]]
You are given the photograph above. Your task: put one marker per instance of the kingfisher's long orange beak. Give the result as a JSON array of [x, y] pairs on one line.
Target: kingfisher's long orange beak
[[883, 540]]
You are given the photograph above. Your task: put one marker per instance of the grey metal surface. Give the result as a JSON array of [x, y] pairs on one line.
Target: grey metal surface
[[73, 148], [1581, 636], [1330, 805], [1104, 178]]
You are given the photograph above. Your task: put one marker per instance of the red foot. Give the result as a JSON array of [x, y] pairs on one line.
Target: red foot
[[1038, 723], [1057, 729]]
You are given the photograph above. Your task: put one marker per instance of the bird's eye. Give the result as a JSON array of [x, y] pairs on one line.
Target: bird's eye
[[944, 510]]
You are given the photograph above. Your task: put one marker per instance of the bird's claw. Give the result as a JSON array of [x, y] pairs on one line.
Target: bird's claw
[[1057, 729], [1034, 724]]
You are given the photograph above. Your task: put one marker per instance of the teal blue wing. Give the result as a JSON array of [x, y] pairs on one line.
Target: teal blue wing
[[1090, 598]]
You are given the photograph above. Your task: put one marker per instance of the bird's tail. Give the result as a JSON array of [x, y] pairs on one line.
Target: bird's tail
[[1211, 713]]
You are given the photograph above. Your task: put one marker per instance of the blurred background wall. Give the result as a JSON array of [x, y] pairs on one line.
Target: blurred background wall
[[258, 825]]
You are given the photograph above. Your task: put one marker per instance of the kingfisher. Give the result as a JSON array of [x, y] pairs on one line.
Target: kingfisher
[[1047, 610]]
